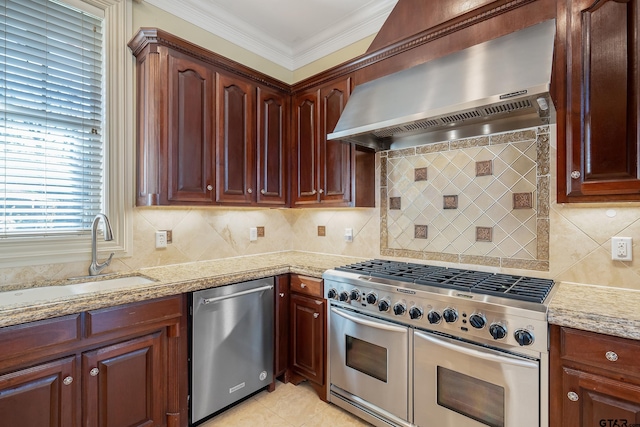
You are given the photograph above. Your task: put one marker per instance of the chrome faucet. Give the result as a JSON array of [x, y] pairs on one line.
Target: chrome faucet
[[95, 268]]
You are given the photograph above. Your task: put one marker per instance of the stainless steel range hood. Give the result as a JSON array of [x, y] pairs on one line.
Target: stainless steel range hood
[[499, 85]]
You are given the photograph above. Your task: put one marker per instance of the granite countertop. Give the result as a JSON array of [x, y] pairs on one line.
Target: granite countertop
[[607, 310], [173, 280]]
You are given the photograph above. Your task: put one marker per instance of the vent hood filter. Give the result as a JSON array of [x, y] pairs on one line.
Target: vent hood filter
[[499, 85]]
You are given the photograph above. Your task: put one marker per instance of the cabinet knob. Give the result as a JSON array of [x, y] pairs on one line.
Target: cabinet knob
[[315, 315], [611, 356], [575, 174], [263, 191], [321, 191], [302, 285], [94, 372], [281, 294], [68, 380], [313, 191], [249, 190], [573, 396], [209, 187]]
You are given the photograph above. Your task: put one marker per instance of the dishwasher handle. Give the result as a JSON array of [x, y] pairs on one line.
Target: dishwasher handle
[[236, 294]]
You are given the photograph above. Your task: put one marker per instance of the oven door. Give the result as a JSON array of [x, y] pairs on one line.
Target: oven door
[[464, 385], [370, 361]]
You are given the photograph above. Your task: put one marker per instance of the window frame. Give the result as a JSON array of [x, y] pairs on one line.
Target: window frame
[[119, 164]]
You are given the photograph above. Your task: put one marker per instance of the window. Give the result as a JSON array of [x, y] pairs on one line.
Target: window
[[65, 116]]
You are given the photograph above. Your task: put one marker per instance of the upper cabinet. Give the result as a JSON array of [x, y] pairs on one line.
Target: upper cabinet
[[210, 131], [324, 171], [598, 76]]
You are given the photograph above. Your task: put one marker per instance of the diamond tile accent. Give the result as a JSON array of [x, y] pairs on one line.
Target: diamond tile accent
[[484, 234], [322, 231], [395, 203], [450, 202], [420, 231], [420, 174], [484, 168], [522, 200]]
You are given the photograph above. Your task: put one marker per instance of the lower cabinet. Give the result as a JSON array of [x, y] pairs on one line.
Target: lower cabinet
[[594, 380], [308, 333], [120, 366], [282, 327]]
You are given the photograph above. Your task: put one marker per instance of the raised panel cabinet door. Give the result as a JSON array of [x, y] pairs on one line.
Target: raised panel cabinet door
[[125, 384], [40, 396], [235, 140], [305, 185], [592, 400], [190, 131], [600, 51], [307, 337], [335, 156], [282, 325], [271, 155]]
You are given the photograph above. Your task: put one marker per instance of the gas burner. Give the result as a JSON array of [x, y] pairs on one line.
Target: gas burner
[[522, 288]]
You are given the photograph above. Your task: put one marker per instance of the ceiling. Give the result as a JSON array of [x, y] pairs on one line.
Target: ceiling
[[291, 33]]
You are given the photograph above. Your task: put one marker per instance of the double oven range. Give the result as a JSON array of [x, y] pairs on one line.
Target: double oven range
[[419, 345]]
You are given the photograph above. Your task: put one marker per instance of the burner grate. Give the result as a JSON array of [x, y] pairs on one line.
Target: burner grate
[[503, 285]]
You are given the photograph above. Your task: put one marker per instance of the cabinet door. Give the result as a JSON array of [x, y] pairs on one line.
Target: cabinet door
[[282, 325], [599, 53], [235, 141], [41, 396], [271, 168], [125, 383], [593, 400], [305, 149], [190, 131], [335, 156], [308, 337]]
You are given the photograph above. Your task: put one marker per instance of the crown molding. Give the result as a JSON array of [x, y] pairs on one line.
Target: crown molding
[[354, 27]]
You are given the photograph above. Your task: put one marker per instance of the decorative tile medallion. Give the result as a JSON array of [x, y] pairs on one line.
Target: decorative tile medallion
[[522, 200], [484, 234], [420, 174], [484, 168], [395, 203], [450, 202], [260, 231], [420, 231], [322, 231]]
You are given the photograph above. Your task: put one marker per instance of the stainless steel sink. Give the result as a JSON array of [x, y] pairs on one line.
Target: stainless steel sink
[[21, 296]]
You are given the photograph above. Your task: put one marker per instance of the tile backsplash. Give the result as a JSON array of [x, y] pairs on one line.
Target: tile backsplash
[[481, 200]]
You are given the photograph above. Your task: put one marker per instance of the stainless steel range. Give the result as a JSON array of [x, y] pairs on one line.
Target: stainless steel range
[[419, 345]]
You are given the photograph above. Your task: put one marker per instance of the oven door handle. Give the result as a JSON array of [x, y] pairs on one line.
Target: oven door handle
[[365, 322], [458, 347]]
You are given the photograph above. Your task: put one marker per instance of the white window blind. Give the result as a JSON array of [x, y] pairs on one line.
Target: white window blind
[[51, 118]]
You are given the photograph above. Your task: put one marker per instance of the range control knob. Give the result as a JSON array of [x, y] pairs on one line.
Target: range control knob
[[450, 315], [399, 308], [416, 313], [434, 317], [477, 320], [372, 298], [355, 295], [497, 331], [523, 337], [383, 305], [332, 294], [344, 296]]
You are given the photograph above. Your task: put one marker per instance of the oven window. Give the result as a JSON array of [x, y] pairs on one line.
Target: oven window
[[474, 398], [367, 358]]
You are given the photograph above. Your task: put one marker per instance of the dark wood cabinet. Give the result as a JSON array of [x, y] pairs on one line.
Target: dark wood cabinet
[[271, 150], [308, 333], [598, 76], [123, 365], [594, 379], [282, 326]]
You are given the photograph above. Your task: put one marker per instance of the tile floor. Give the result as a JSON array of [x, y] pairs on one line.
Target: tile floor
[[287, 406]]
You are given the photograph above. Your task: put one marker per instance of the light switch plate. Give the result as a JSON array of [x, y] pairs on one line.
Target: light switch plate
[[253, 234]]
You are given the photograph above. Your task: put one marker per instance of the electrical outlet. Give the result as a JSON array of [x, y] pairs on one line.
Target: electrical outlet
[[621, 248], [348, 234], [253, 234], [161, 239]]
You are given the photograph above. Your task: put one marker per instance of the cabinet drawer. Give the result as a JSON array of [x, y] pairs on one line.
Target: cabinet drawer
[[603, 351], [306, 285], [131, 315], [34, 336]]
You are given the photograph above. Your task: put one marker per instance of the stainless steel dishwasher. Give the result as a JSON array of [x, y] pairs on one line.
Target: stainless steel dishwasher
[[231, 344]]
